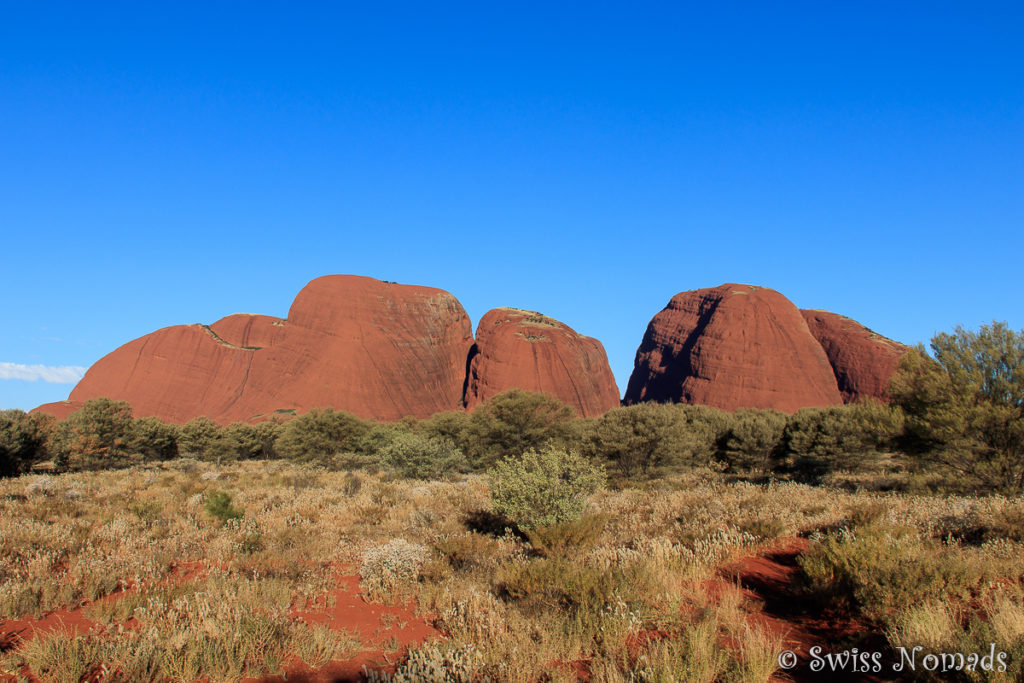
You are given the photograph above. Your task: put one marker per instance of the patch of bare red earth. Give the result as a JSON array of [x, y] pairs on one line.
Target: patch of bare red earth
[[385, 631], [772, 578]]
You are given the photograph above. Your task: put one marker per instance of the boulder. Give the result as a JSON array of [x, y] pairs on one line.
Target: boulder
[[863, 361], [732, 346], [517, 349]]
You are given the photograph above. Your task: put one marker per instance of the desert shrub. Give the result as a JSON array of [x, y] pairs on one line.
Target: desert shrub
[[706, 429], [821, 440], [99, 434], [965, 409], [243, 441], [379, 437], [388, 567], [351, 484], [441, 663], [466, 551], [218, 505], [572, 536], [512, 423], [450, 424], [880, 569], [23, 440], [652, 438], [319, 434], [753, 440], [154, 439], [197, 437], [545, 487], [639, 439], [422, 457]]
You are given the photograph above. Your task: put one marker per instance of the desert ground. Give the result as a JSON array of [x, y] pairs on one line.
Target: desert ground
[[299, 573]]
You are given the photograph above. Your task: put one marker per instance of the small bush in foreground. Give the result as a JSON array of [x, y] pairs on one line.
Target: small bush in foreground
[[422, 457], [218, 505], [544, 487], [391, 565]]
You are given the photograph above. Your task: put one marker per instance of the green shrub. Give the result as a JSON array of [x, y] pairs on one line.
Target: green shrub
[[319, 434], [706, 428], [575, 535], [545, 487], [639, 439], [422, 457], [197, 437], [243, 441], [512, 423], [965, 409], [753, 441], [821, 440], [154, 439], [379, 437], [451, 424], [218, 505], [99, 434], [23, 439]]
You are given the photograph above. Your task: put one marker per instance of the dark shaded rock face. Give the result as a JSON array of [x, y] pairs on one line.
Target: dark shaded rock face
[[526, 350], [862, 360], [732, 346]]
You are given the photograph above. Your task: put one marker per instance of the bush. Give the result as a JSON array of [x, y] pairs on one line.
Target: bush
[[559, 539], [218, 505], [820, 440], [545, 487], [23, 439], [639, 438], [99, 434], [450, 425], [389, 566], [154, 439], [242, 441], [753, 442], [423, 457], [351, 484], [378, 438], [512, 423], [965, 409], [319, 434], [197, 437]]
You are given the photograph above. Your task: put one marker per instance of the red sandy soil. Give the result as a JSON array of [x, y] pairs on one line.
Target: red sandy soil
[[386, 631], [769, 578]]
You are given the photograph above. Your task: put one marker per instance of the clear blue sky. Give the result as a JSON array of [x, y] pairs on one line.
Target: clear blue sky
[[174, 165]]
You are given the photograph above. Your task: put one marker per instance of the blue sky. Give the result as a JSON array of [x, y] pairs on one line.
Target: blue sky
[[174, 165]]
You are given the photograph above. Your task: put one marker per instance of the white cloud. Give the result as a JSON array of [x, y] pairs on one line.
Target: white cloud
[[54, 374]]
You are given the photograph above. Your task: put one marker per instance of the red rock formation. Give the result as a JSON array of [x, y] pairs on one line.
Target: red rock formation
[[376, 349], [863, 361], [176, 373], [59, 409], [518, 349], [353, 343], [248, 329], [732, 346]]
